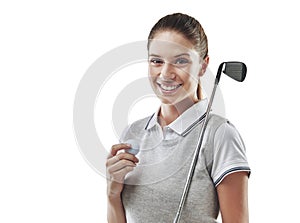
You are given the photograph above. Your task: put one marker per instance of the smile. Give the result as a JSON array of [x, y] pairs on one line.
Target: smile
[[169, 88]]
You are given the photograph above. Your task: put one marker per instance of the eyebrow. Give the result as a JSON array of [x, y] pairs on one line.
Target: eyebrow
[[182, 54], [154, 55], [179, 55]]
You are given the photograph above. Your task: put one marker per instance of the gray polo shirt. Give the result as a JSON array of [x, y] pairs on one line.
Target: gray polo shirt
[[153, 189]]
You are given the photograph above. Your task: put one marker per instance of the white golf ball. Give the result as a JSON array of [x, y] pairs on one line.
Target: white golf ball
[[135, 146]]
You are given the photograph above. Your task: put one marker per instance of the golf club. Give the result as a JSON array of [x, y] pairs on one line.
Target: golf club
[[235, 70]]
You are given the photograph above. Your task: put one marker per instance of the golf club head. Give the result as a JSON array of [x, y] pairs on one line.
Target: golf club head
[[235, 70]]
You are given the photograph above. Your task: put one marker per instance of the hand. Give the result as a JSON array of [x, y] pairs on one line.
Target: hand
[[117, 167]]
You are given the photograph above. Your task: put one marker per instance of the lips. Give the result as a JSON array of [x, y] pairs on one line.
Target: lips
[[169, 88]]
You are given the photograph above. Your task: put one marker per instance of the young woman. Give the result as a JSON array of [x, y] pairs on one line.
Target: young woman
[[147, 187]]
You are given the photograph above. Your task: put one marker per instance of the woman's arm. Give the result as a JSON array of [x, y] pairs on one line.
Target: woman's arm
[[233, 198], [117, 166], [115, 210]]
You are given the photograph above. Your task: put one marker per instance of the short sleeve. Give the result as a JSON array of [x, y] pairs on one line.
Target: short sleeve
[[229, 153]]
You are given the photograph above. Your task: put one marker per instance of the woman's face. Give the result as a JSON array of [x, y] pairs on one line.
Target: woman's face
[[174, 67]]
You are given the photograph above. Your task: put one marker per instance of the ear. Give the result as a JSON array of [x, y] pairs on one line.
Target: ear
[[204, 66]]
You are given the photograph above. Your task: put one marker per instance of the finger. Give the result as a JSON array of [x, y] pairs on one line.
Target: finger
[[117, 147], [111, 161], [128, 156], [121, 156], [120, 165]]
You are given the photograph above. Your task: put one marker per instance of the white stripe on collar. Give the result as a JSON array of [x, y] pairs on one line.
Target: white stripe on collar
[[185, 122]]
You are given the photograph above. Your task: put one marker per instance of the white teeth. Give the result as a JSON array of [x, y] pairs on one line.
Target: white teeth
[[169, 88]]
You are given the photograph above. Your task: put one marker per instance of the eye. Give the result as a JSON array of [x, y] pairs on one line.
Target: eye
[[181, 61], [156, 61]]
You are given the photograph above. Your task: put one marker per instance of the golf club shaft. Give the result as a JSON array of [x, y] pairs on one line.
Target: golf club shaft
[[196, 155]]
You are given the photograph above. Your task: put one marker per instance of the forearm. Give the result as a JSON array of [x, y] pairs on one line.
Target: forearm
[[115, 210]]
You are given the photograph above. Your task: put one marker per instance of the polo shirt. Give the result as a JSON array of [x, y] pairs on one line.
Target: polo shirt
[[152, 191]]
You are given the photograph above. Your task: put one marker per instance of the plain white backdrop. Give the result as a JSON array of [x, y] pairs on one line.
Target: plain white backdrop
[[47, 46]]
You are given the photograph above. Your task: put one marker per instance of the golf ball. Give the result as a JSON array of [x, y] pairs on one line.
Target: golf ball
[[135, 147]]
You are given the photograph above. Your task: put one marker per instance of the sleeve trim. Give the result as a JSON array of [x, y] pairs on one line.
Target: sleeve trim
[[232, 170]]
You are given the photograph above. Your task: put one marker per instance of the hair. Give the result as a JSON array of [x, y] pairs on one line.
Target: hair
[[187, 26]]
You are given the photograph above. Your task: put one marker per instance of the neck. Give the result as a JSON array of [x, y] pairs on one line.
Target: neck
[[169, 112]]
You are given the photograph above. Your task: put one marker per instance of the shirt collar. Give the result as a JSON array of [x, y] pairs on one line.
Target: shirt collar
[[186, 121]]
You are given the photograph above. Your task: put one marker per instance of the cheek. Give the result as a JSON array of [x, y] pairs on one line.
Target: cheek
[[191, 83], [153, 71], [152, 78], [189, 75], [195, 70]]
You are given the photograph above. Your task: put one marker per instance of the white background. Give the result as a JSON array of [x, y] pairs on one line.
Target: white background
[[47, 46]]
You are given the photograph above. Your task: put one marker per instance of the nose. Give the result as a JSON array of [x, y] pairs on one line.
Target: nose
[[167, 71]]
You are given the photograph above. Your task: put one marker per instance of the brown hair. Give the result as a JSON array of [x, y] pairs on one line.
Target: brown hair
[[186, 25]]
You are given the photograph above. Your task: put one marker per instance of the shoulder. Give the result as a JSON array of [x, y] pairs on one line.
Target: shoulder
[[229, 152], [223, 137], [226, 131], [141, 123], [136, 128], [222, 127], [216, 120], [214, 123]]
